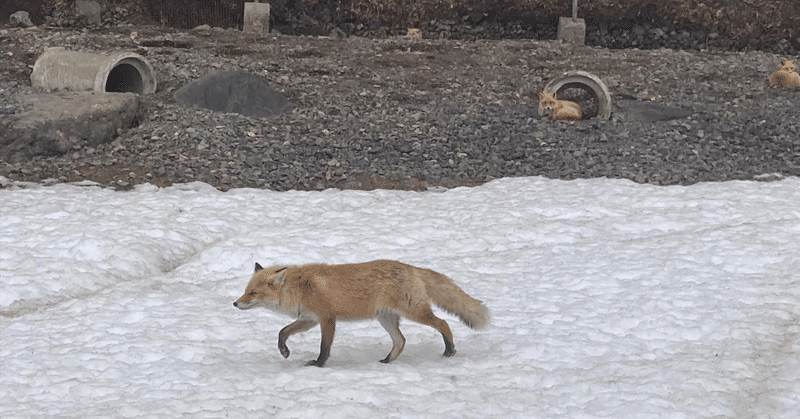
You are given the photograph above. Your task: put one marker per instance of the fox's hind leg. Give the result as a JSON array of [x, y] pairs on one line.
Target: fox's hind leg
[[391, 322], [424, 315], [297, 326]]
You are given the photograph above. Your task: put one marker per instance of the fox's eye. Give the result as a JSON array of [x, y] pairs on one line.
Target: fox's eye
[[252, 293]]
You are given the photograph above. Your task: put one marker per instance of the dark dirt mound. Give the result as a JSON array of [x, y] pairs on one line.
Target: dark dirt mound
[[234, 91]]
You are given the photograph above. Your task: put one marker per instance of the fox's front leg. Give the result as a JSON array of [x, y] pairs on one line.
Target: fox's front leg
[[328, 327], [296, 327]]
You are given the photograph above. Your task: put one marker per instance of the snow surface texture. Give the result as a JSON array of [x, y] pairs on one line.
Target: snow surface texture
[[608, 299]]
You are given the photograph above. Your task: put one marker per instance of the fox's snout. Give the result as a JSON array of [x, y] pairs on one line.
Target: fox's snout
[[242, 305]]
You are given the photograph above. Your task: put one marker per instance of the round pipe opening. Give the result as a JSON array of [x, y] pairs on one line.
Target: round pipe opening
[[124, 78]]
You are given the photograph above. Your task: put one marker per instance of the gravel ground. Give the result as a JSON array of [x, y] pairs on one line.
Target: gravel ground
[[413, 114]]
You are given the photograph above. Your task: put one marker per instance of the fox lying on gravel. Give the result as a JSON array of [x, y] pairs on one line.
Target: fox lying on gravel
[[559, 110], [414, 33], [386, 289], [786, 75]]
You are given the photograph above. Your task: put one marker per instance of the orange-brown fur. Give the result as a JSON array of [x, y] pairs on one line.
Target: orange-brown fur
[[560, 110], [414, 33], [786, 75], [383, 289]]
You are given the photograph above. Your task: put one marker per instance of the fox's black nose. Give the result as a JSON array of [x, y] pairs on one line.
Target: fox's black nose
[[234, 304]]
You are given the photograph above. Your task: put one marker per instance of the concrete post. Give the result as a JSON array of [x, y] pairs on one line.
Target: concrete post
[[256, 17], [572, 29]]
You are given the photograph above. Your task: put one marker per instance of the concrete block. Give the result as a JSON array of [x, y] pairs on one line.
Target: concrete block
[[256, 18], [570, 30], [52, 123]]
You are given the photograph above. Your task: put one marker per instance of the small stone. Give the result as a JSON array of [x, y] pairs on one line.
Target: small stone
[[21, 18], [337, 33], [769, 177]]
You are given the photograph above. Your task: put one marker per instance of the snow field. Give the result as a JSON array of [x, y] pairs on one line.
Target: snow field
[[608, 299]]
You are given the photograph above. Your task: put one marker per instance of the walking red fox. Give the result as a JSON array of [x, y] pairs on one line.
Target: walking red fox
[[386, 289]]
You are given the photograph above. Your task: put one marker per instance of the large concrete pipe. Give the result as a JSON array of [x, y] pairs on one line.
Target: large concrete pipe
[[120, 72], [587, 81]]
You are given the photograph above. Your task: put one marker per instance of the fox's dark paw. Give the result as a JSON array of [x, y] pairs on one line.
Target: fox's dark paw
[[315, 363], [284, 349], [449, 352], [285, 352]]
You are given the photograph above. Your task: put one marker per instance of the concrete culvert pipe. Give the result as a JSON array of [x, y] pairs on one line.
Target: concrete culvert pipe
[[120, 72], [588, 81]]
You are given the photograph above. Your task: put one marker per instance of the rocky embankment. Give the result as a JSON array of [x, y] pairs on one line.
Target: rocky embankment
[[404, 113]]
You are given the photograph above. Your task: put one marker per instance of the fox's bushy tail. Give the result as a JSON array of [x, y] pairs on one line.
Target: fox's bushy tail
[[452, 299]]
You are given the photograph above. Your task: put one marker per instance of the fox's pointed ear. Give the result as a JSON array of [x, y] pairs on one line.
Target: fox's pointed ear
[[258, 267], [279, 276]]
